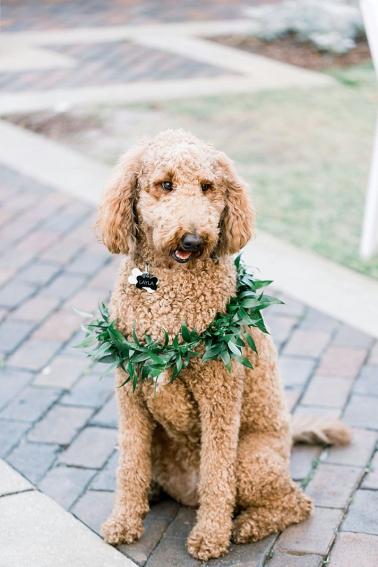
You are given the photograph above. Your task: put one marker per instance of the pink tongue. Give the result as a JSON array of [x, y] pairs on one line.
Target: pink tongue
[[182, 255]]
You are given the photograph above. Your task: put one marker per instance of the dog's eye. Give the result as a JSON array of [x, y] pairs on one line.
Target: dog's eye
[[205, 187], [167, 185]]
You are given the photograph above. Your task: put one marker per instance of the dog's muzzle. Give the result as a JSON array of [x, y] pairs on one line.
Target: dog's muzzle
[[190, 245]]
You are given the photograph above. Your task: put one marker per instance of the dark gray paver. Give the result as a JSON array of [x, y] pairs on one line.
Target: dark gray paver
[[172, 552], [34, 354], [12, 334], [60, 425], [362, 515], [358, 452], [86, 263], [39, 273], [14, 293], [314, 535], [247, 555], [35, 309], [108, 415], [93, 508], [367, 383], [326, 488], [63, 372], [92, 390], [10, 434], [30, 404], [65, 484], [64, 285], [91, 448], [362, 411], [106, 478], [156, 522], [302, 458], [352, 550], [12, 382], [284, 560], [33, 459], [295, 371]]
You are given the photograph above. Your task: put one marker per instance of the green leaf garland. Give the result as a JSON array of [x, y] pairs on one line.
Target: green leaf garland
[[224, 339]]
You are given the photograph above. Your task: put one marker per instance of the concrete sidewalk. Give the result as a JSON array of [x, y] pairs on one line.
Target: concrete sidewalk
[[35, 531]]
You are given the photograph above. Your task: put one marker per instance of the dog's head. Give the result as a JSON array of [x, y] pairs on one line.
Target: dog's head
[[180, 198]]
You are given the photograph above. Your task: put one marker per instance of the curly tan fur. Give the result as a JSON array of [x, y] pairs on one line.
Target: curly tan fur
[[211, 439]]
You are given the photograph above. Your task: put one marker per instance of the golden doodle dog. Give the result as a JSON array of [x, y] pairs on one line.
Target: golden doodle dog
[[212, 439]]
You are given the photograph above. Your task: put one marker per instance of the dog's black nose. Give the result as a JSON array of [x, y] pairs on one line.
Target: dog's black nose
[[191, 242]]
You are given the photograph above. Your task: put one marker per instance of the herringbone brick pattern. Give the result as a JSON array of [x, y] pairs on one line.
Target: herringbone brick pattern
[[112, 63]]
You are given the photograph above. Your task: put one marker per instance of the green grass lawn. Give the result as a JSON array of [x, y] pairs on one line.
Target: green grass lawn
[[305, 153]]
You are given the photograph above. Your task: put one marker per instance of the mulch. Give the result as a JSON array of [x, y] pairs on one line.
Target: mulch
[[289, 49]]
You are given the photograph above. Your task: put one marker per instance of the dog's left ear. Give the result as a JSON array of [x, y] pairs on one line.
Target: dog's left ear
[[237, 222]]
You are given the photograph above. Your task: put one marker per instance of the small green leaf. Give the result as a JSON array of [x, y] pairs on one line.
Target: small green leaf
[[233, 348], [185, 333], [245, 362], [250, 341]]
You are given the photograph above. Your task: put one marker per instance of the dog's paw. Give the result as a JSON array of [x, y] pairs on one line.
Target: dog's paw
[[246, 529], [121, 529], [257, 523], [208, 543]]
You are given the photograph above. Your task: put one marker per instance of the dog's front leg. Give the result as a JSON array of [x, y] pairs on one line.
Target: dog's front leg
[[125, 525], [218, 394]]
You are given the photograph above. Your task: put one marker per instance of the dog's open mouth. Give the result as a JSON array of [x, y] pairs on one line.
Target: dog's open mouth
[[182, 256]]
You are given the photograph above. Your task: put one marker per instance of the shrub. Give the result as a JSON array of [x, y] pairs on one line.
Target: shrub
[[331, 25]]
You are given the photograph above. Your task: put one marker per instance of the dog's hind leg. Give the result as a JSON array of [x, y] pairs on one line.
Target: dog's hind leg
[[270, 500]]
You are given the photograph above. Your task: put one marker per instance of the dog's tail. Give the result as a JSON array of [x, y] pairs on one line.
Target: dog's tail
[[320, 430]]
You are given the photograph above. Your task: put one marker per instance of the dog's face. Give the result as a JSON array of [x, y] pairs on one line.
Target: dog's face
[[181, 197]]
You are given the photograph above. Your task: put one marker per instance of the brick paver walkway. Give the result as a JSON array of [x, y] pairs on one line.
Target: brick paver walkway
[[108, 64], [58, 417], [58, 14]]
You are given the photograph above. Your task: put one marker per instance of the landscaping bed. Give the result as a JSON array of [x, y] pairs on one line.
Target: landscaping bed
[[289, 49]]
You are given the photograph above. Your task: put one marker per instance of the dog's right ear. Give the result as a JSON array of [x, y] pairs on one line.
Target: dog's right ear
[[117, 221]]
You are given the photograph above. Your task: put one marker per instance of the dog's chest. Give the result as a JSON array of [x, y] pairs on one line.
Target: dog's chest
[[193, 297], [173, 406]]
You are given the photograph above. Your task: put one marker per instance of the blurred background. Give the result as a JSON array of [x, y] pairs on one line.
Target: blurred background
[[288, 89], [300, 124]]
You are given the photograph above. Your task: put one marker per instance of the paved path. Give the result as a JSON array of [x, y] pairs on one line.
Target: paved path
[[45, 14], [58, 419], [80, 64]]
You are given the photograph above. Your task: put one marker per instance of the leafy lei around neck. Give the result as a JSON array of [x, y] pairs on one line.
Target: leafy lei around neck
[[224, 339]]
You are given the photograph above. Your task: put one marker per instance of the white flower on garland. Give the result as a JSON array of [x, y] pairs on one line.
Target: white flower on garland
[[331, 25]]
